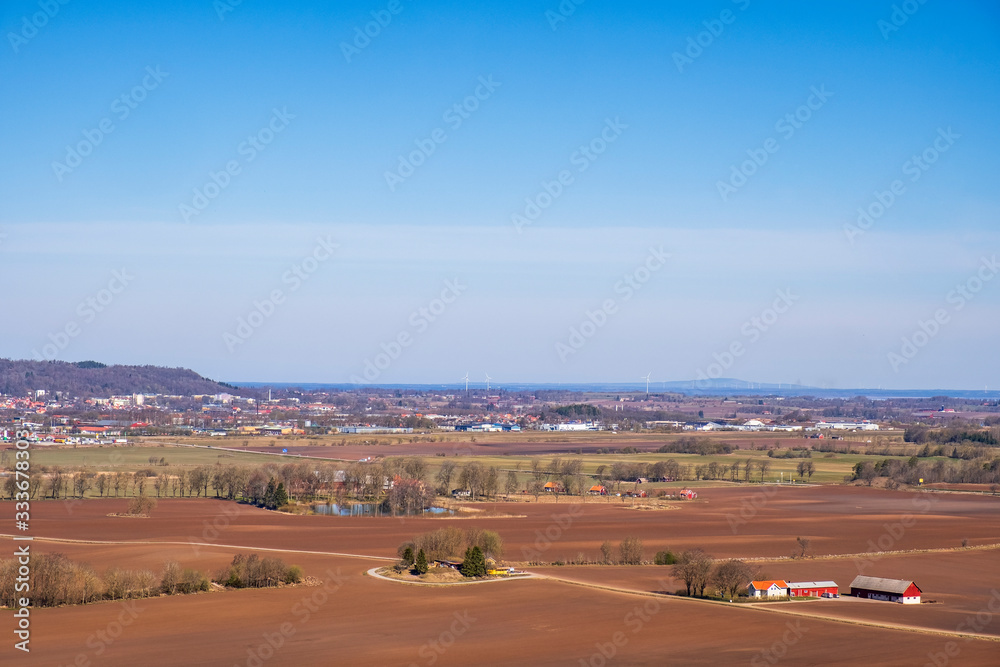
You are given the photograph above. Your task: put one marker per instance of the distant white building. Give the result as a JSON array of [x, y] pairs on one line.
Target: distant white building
[[847, 426], [573, 426]]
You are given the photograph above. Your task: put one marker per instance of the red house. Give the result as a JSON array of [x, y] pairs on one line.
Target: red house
[[813, 589]]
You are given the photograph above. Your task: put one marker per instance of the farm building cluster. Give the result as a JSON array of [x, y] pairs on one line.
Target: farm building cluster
[[871, 588]]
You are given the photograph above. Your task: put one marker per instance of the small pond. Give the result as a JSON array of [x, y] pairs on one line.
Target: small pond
[[371, 509]]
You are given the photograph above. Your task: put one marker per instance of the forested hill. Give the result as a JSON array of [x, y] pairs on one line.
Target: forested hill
[[90, 378]]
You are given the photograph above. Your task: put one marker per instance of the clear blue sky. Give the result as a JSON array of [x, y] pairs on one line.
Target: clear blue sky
[[327, 128]]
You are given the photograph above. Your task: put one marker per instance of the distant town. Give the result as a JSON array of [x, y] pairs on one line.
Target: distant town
[[56, 416]]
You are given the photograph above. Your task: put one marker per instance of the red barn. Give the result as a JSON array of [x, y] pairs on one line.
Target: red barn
[[813, 589], [892, 590]]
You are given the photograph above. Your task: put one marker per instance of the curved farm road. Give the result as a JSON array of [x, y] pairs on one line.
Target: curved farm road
[[212, 545], [773, 608], [374, 573]]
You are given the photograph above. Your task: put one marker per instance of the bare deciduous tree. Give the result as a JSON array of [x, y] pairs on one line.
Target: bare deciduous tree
[[693, 568], [731, 577], [630, 551]]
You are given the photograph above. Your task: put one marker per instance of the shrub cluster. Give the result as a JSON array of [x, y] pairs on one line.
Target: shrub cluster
[[252, 571]]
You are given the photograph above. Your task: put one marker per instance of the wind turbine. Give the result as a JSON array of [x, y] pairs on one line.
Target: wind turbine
[[646, 378], [488, 378], [466, 378]]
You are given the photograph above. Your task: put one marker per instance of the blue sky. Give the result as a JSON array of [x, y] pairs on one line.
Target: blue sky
[[309, 134]]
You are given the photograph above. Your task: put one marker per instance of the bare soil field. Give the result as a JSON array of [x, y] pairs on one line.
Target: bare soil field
[[757, 521], [367, 621], [354, 619]]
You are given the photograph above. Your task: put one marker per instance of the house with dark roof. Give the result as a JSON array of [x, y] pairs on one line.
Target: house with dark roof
[[891, 590]]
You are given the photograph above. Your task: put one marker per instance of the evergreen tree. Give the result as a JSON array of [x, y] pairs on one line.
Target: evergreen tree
[[474, 564], [268, 500], [280, 497], [408, 556], [421, 564]]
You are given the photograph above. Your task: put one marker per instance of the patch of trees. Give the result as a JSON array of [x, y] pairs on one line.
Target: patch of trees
[[578, 411], [792, 453], [628, 552], [252, 571], [693, 445], [55, 580], [448, 543], [408, 496], [698, 571], [920, 434], [141, 505]]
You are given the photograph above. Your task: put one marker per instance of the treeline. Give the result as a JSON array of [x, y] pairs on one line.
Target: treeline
[[55, 580], [920, 434], [911, 471]]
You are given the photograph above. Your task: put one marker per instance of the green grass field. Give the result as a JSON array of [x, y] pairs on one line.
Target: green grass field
[[829, 467]]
